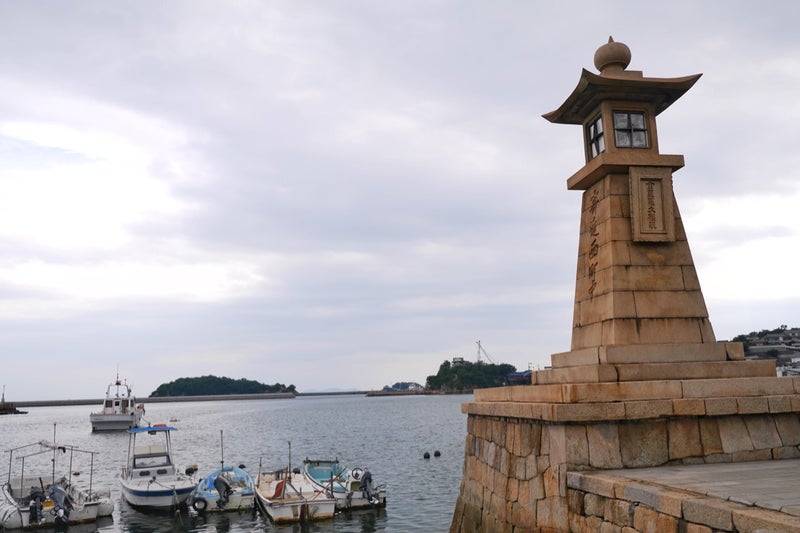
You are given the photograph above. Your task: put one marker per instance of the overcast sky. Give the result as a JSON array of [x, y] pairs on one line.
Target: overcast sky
[[344, 194]]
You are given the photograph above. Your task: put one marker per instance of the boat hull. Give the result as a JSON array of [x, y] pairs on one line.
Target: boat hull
[[114, 422], [299, 510], [157, 493]]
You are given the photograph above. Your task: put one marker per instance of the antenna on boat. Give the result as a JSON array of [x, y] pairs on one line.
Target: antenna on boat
[[221, 451], [289, 471], [55, 449]]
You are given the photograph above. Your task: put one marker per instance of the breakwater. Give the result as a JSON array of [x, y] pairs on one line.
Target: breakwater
[[204, 398]]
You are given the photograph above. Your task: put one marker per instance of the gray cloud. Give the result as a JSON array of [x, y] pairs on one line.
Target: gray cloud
[[346, 194]]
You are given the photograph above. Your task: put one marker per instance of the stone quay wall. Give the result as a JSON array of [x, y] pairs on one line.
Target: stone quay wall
[[517, 462]]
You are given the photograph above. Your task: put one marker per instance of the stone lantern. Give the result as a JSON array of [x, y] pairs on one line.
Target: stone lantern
[[636, 282], [645, 383]]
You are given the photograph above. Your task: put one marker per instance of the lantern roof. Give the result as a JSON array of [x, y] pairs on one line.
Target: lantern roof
[[616, 83]]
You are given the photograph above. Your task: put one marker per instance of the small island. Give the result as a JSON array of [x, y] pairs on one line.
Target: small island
[[217, 386]]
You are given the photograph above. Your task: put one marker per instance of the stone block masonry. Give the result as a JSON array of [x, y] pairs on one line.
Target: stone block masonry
[[524, 474]]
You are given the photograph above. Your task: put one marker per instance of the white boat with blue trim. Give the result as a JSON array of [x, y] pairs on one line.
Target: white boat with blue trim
[[151, 478]]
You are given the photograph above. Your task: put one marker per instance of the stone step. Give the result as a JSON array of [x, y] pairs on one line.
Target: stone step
[[650, 353], [641, 390], [603, 373], [634, 410]]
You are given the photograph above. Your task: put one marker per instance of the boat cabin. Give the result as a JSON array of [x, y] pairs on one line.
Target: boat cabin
[[118, 405], [150, 461]]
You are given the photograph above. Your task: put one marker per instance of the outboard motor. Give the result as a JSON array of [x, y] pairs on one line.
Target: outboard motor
[[366, 484], [224, 488], [62, 505], [35, 506]]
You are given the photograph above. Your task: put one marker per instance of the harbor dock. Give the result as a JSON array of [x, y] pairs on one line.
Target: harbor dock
[[754, 496]]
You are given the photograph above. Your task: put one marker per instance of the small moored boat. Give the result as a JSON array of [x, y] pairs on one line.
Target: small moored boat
[[288, 497], [120, 410], [352, 488], [229, 488], [45, 500], [150, 478]]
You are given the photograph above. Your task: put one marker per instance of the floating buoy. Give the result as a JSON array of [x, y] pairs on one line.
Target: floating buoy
[[437, 453], [426, 455]]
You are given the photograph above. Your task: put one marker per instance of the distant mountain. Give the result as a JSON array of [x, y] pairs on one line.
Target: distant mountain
[[213, 385], [331, 390]]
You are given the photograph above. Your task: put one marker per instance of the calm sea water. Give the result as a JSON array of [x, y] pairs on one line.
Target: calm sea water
[[389, 435]]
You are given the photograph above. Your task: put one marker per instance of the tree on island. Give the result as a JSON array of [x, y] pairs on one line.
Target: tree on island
[[213, 385], [466, 376]]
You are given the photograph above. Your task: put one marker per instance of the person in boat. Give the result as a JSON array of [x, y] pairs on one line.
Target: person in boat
[[366, 484]]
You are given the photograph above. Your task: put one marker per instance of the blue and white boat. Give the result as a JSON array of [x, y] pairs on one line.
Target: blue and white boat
[[352, 488], [151, 478], [229, 488]]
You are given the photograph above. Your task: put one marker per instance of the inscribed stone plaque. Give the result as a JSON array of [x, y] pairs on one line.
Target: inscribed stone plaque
[[652, 213]]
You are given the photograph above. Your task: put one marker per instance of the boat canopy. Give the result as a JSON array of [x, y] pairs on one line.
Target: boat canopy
[[150, 429]]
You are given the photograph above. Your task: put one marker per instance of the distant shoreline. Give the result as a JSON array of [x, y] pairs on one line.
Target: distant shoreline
[[220, 397], [166, 399], [410, 393]]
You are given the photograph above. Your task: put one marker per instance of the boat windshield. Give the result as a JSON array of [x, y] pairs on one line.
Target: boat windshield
[[151, 461]]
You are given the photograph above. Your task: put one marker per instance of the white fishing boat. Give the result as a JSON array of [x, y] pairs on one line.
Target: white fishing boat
[[52, 496], [151, 478], [286, 496], [120, 409], [352, 488]]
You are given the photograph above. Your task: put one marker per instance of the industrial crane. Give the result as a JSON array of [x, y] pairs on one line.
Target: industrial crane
[[481, 350]]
